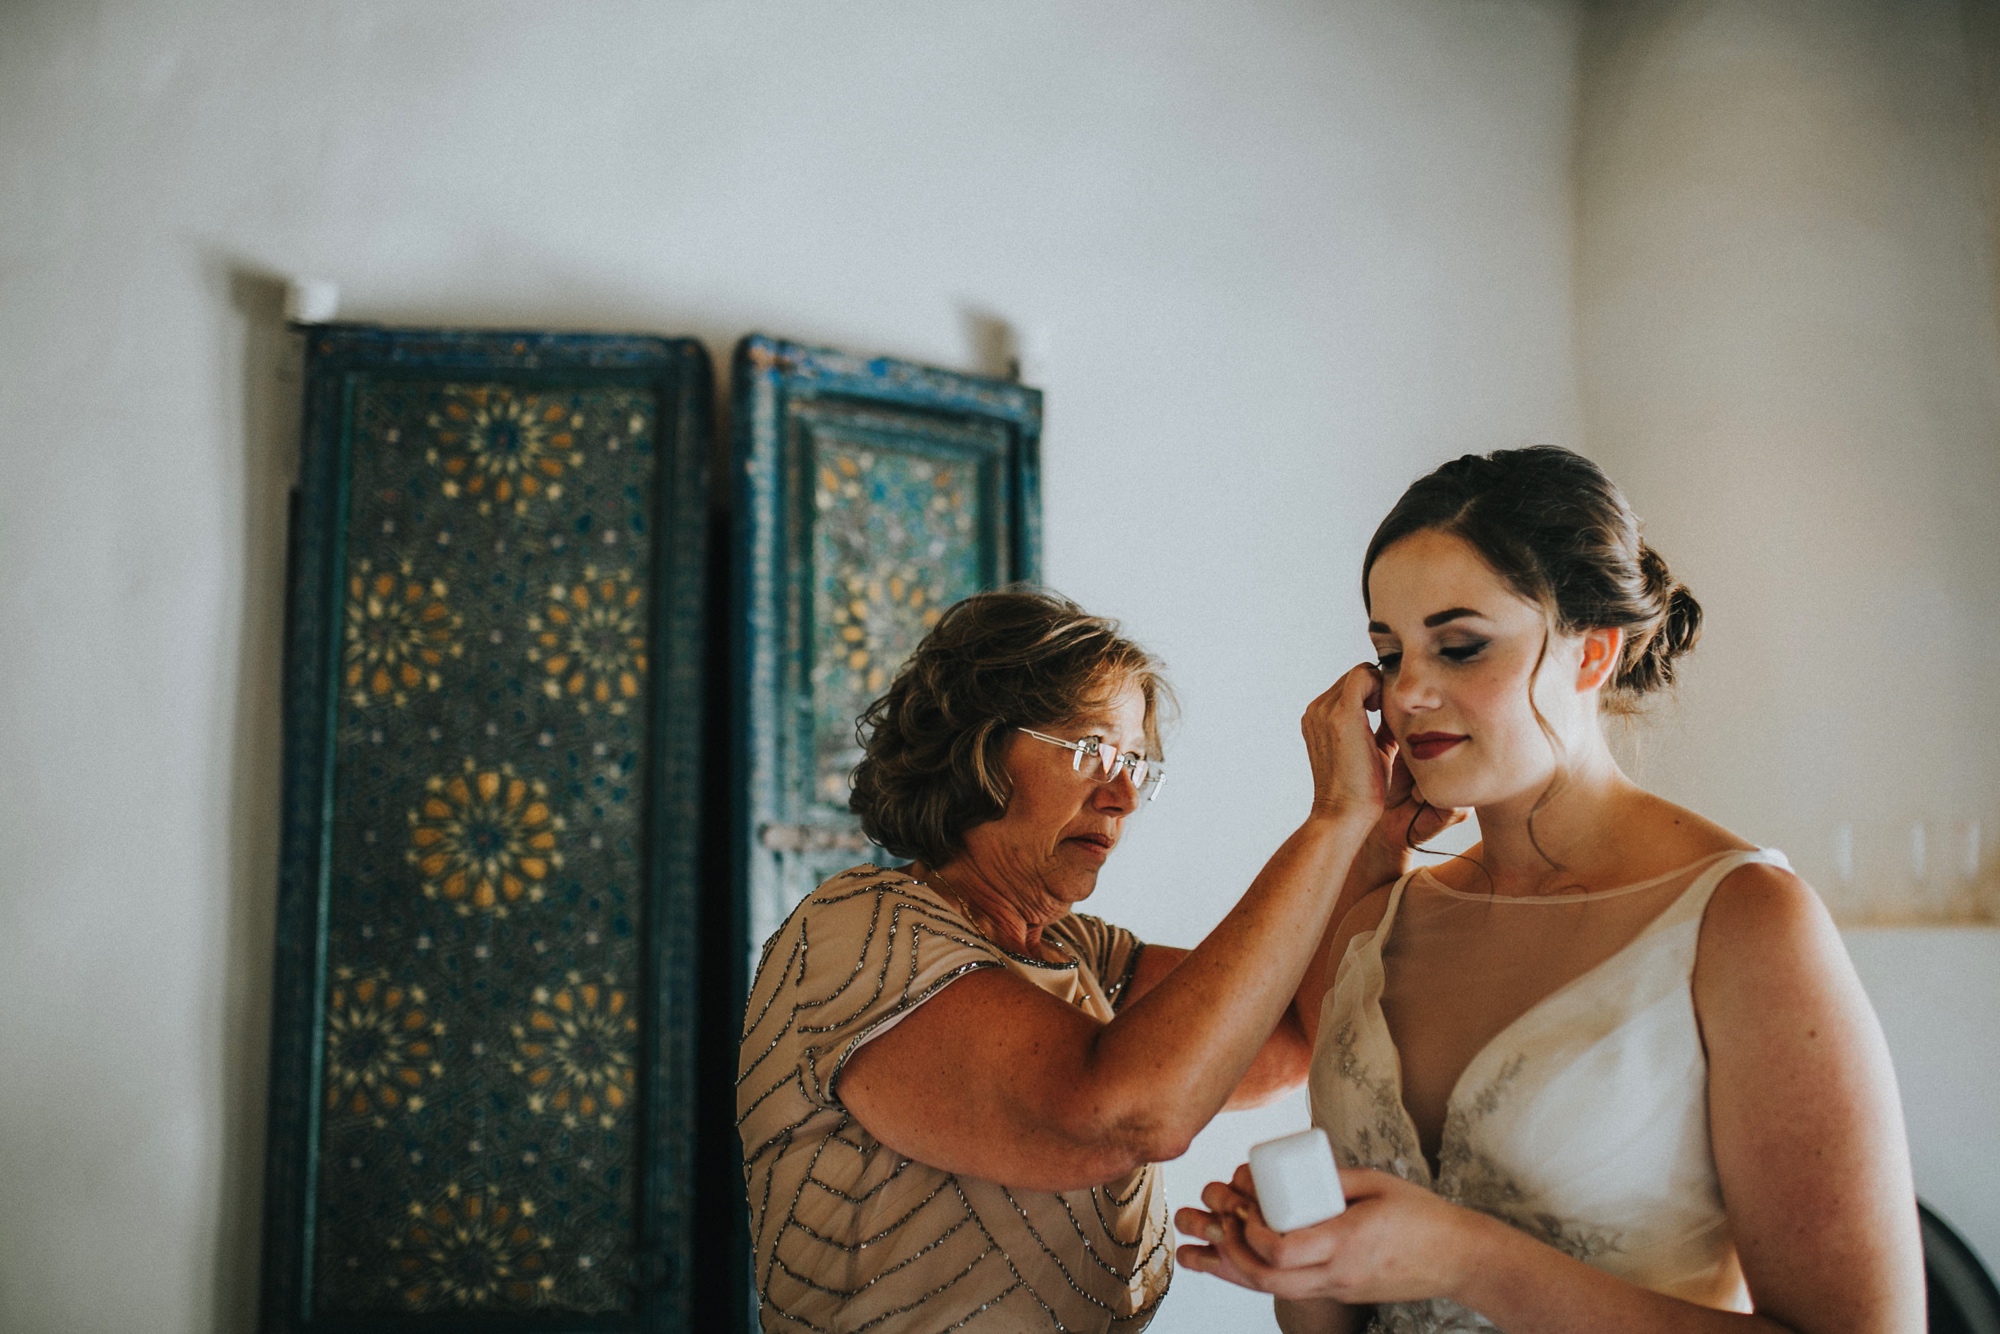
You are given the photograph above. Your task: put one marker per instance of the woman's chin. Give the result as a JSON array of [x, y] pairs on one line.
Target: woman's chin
[[1457, 791], [1466, 792], [1072, 883]]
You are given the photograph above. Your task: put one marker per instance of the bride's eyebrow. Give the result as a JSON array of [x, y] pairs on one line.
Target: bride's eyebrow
[[1432, 621]]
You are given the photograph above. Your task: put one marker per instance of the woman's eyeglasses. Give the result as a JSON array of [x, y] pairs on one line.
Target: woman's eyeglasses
[[1101, 763]]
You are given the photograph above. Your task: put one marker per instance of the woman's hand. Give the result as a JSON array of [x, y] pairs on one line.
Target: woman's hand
[[1351, 762], [1408, 820], [1397, 1242]]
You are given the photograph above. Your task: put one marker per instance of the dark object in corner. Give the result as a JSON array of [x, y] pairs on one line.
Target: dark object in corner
[[1958, 1292]]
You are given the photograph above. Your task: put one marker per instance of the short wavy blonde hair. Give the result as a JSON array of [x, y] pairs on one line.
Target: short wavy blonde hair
[[932, 746]]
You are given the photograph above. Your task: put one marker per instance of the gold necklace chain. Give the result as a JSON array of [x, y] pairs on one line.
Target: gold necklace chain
[[932, 873]]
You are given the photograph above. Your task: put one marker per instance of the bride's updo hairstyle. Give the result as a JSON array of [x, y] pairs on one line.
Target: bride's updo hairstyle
[[1558, 530]]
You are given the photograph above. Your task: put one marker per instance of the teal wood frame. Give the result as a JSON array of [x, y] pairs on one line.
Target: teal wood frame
[[676, 373], [786, 833]]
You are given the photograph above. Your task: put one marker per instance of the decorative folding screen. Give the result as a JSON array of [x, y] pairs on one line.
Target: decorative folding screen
[[482, 1093], [872, 494]]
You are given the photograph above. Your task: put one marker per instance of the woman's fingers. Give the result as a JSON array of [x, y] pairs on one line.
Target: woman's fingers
[[1234, 1214], [1409, 819], [1197, 1223], [1221, 1198], [1300, 1248], [1433, 820], [1402, 783], [1225, 1253], [1366, 1183], [1226, 1257], [1347, 762]]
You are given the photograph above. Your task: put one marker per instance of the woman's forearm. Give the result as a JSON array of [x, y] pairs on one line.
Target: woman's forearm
[[1280, 1066], [1526, 1287], [1200, 1028]]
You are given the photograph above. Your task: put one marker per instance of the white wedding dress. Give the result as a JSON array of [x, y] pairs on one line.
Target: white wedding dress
[[1561, 1070]]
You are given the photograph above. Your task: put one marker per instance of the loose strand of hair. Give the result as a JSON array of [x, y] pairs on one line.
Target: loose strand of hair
[[1556, 748], [1410, 842]]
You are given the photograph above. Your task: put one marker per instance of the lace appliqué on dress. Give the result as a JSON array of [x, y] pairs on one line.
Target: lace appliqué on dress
[[1385, 1142], [1466, 1176]]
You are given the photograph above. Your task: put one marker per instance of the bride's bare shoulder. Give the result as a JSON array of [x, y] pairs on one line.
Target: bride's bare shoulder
[[1759, 913], [1672, 835]]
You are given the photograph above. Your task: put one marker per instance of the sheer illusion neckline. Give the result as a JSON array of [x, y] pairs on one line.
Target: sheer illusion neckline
[[1423, 873], [1550, 1004]]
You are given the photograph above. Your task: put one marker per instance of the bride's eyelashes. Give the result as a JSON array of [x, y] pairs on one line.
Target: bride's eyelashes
[[1455, 653]]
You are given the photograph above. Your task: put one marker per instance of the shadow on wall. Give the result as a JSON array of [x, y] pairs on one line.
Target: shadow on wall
[[269, 393]]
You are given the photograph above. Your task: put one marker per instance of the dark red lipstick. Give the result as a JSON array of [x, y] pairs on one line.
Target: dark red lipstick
[[1430, 745]]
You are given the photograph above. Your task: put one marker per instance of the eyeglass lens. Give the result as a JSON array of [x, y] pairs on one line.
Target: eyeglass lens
[[1108, 762]]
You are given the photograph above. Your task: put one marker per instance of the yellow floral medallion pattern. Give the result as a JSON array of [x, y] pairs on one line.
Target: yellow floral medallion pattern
[[893, 537], [500, 446], [381, 1047], [590, 641], [471, 1248], [399, 632], [575, 1051], [488, 842], [485, 839]]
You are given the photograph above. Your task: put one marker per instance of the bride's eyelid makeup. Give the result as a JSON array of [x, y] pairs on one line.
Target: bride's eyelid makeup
[[1458, 646]]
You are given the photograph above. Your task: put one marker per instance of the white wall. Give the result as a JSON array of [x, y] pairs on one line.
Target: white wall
[[1288, 255], [1789, 359], [1937, 992]]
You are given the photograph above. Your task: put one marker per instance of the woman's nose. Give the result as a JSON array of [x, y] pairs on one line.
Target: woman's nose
[[1118, 794], [1410, 690]]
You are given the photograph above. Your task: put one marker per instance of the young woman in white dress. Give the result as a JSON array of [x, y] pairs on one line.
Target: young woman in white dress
[[1611, 1070]]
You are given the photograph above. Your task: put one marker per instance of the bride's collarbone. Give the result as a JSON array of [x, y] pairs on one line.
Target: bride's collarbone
[[1634, 858]]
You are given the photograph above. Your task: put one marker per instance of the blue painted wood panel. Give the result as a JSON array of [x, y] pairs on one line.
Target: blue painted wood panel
[[483, 1105], [871, 494]]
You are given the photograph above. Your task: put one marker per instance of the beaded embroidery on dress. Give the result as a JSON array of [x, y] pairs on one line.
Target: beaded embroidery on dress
[[850, 1236], [1583, 1119]]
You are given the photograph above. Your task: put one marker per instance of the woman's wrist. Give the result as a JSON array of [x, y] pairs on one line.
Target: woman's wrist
[[1346, 815], [1380, 861], [1478, 1245]]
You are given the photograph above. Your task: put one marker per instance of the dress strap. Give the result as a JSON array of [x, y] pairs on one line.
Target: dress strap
[[1380, 932], [1693, 901]]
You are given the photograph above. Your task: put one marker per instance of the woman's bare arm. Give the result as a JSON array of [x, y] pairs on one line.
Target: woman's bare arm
[[1377, 867], [1803, 1113], [1305, 1315], [995, 1078], [1280, 1064], [1286, 1056]]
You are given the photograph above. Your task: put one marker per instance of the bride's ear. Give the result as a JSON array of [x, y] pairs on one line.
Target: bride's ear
[[1603, 650]]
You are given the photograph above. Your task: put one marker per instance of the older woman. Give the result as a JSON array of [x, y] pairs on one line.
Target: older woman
[[953, 1089]]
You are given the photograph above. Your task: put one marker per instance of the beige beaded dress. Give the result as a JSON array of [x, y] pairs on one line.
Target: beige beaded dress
[[848, 1235]]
